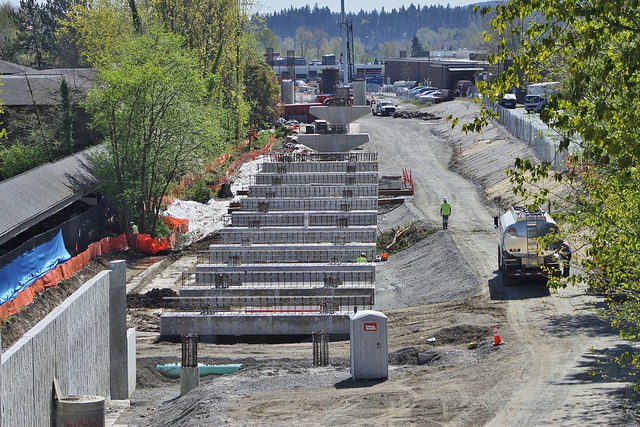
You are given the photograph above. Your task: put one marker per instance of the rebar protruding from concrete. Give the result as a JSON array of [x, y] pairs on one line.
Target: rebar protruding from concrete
[[320, 348], [189, 351], [189, 372]]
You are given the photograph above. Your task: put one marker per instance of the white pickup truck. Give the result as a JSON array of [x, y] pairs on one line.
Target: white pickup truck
[[383, 108]]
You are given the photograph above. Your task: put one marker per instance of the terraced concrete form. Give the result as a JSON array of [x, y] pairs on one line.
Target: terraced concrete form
[[249, 235], [285, 262], [257, 204], [302, 219], [324, 167], [305, 178], [303, 191], [308, 291], [283, 274], [327, 253]]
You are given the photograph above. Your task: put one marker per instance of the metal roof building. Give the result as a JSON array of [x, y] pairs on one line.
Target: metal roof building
[[33, 196]]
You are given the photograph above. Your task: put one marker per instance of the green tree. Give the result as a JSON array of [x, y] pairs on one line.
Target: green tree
[[261, 92], [304, 39], [34, 45], [597, 44], [266, 39], [64, 133], [151, 106]]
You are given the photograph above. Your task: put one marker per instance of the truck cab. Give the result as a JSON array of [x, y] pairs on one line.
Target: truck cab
[[383, 108], [535, 103]]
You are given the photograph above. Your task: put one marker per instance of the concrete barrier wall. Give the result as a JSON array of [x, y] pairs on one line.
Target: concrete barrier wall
[[237, 255], [71, 344], [539, 136]]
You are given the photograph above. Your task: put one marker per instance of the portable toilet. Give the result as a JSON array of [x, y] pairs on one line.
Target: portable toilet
[[369, 351]]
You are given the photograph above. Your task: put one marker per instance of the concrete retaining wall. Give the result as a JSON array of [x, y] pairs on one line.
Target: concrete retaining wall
[[72, 344], [538, 135]]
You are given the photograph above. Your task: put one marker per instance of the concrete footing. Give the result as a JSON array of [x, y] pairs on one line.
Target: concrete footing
[[175, 324], [189, 379]]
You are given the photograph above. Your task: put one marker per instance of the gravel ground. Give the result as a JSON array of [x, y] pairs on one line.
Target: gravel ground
[[442, 297]]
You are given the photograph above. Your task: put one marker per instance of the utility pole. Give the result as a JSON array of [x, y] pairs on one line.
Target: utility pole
[[345, 54]]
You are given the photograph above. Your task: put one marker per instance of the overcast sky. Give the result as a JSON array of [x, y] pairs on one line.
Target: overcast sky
[[356, 5], [334, 5]]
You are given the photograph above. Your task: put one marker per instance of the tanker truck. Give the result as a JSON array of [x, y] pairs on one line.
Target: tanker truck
[[519, 253]]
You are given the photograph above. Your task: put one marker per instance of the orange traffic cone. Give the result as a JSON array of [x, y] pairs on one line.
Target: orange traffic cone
[[496, 336]]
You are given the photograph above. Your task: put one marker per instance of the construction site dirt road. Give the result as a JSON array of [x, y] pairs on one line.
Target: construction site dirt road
[[440, 295]]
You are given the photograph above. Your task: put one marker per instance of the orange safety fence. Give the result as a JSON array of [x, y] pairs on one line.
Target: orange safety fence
[[150, 245], [61, 272], [191, 177]]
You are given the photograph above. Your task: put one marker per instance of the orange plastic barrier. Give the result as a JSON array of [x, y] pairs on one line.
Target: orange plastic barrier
[[61, 272]]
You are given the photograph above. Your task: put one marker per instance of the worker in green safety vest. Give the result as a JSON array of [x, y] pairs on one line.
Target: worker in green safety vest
[[445, 211], [134, 235], [362, 257]]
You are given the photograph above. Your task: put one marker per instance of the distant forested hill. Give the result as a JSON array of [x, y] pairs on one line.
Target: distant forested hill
[[436, 26]]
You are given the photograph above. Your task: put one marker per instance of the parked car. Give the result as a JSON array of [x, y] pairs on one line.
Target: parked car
[[424, 96], [433, 97], [424, 91], [508, 101]]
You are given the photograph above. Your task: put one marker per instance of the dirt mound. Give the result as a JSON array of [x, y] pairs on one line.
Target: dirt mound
[[461, 334], [415, 115], [155, 298]]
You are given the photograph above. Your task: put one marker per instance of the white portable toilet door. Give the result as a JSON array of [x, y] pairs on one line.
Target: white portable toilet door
[[370, 349]]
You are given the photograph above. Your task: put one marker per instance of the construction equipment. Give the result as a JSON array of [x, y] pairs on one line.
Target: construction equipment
[[520, 255]]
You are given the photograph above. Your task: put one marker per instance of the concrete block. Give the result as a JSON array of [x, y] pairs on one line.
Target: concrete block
[[330, 143]]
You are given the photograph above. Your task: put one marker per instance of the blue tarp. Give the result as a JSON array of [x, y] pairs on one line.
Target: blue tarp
[[20, 273]]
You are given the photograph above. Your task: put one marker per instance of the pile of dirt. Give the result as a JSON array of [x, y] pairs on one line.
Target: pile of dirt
[[424, 115], [155, 298]]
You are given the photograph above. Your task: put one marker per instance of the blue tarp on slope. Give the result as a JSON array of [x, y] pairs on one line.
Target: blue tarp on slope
[[29, 267]]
